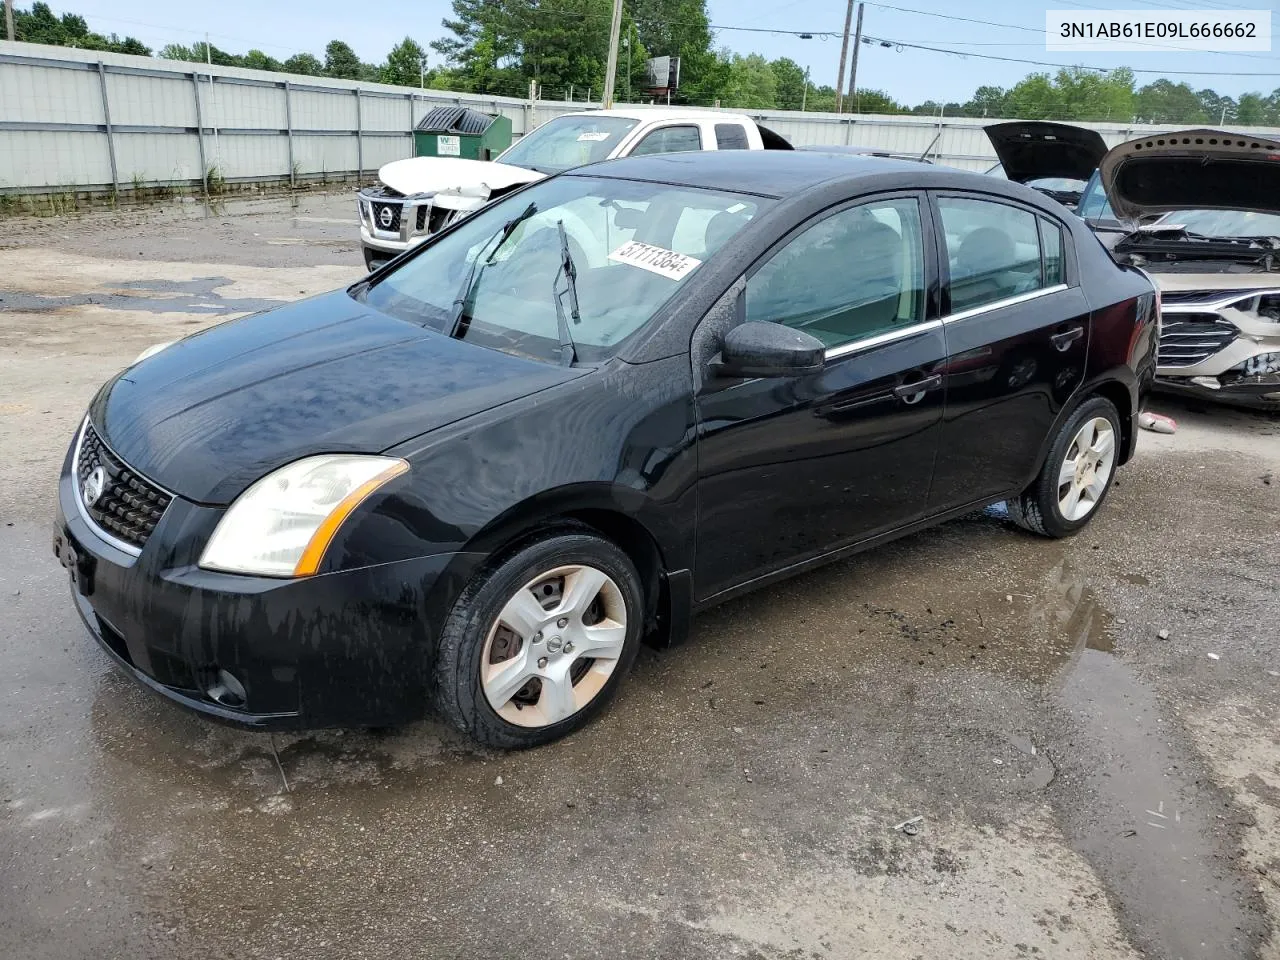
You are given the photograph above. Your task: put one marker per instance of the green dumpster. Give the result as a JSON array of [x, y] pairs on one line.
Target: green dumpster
[[459, 132]]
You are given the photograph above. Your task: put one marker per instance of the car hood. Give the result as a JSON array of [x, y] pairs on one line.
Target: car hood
[[1036, 150], [1192, 170], [211, 414], [451, 175]]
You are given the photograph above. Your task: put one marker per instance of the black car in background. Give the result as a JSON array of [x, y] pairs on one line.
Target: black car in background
[[476, 480]]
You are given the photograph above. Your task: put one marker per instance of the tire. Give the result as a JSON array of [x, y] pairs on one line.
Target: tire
[[1040, 508], [481, 656]]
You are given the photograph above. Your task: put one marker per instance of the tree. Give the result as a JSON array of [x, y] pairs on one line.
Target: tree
[[789, 80], [483, 51], [681, 28], [305, 64], [257, 60], [633, 64], [340, 61], [405, 64], [203, 52], [1219, 109], [751, 82], [987, 101], [39, 25], [176, 51], [873, 101], [1164, 101]]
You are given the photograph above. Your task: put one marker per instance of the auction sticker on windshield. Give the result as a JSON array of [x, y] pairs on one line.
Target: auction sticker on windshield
[[659, 260], [594, 136]]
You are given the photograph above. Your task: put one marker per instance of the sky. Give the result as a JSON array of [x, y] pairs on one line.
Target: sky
[[1001, 28]]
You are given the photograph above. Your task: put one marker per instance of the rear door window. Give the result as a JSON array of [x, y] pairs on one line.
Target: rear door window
[[1051, 242], [680, 139], [731, 136], [993, 250]]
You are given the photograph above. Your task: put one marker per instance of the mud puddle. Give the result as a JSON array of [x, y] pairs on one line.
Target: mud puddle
[[150, 296]]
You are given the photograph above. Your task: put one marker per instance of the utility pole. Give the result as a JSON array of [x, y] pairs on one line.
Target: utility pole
[[611, 71], [804, 97], [8, 17], [853, 67], [844, 54]]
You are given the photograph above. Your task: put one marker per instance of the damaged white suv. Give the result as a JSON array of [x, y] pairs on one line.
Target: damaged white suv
[[1199, 211], [420, 196]]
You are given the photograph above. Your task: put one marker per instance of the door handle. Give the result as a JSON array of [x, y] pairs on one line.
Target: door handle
[[914, 391], [1064, 339]]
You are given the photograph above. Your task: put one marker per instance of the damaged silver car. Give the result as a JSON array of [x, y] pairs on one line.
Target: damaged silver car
[[1213, 249]]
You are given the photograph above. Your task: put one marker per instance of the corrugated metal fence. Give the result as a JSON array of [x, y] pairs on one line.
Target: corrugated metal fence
[[79, 120]]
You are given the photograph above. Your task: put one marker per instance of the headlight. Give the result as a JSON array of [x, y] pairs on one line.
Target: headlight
[[282, 525], [152, 350]]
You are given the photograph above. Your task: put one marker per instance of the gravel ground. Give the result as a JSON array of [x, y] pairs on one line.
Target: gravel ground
[[1086, 789]]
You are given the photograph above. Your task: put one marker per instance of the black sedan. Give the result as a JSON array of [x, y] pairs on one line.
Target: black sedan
[[478, 479]]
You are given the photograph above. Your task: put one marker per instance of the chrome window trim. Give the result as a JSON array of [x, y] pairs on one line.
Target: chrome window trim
[[889, 336], [121, 545], [1006, 302]]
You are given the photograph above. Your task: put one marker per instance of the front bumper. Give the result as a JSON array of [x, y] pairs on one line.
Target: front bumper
[[1242, 392], [350, 648]]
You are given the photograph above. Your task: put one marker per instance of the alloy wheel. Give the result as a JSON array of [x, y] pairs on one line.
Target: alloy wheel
[[553, 646], [1086, 470]]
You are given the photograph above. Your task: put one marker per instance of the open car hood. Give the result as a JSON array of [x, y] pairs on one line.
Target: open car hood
[[1192, 170], [1036, 150], [450, 175]]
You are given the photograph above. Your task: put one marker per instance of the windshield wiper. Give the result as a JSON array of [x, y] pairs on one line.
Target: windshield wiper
[[484, 253], [568, 351]]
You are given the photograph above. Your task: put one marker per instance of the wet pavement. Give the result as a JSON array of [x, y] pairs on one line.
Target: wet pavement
[[1086, 788]]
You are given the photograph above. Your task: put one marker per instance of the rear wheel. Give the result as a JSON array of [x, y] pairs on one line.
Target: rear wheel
[[537, 645], [1076, 475]]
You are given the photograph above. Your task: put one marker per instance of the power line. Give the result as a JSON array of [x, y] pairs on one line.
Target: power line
[[951, 16], [1050, 63]]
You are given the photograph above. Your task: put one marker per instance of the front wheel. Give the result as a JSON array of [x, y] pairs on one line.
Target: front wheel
[[1076, 475], [537, 645]]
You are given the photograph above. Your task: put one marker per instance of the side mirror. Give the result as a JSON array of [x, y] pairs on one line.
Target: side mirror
[[756, 349]]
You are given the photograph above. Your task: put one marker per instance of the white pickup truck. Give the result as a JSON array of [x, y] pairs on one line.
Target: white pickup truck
[[422, 195]]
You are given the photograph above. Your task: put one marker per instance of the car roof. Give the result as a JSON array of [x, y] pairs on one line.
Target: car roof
[[656, 113], [787, 173]]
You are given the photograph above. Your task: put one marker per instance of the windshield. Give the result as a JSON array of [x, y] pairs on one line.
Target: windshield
[[1060, 184], [633, 245], [1094, 204], [1224, 223], [568, 142]]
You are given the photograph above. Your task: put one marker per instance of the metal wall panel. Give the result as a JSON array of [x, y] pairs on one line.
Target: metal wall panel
[[150, 101], [324, 156], [381, 148], [151, 158], [243, 106], [240, 157], [384, 113], [323, 111], [40, 95], [46, 159]]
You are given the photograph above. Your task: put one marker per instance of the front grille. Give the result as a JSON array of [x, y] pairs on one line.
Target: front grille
[[389, 222], [439, 219], [129, 506], [1201, 296], [1189, 338]]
